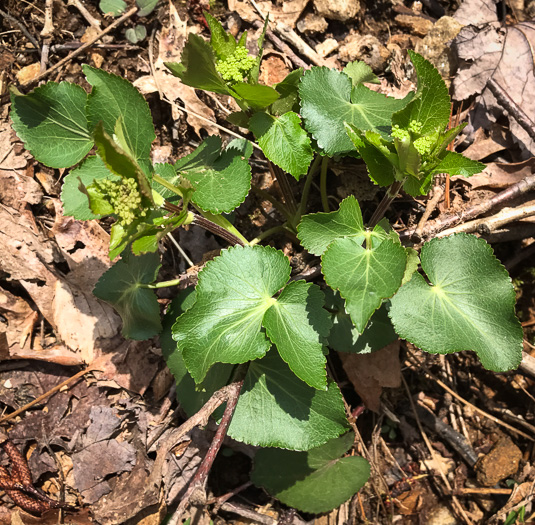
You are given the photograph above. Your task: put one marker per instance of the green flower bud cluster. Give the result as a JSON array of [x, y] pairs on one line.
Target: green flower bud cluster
[[236, 66], [424, 145], [400, 133], [125, 198]]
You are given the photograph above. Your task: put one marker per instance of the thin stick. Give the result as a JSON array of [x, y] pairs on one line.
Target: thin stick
[[467, 403], [47, 394], [85, 13], [22, 27], [199, 480], [456, 502], [480, 490], [431, 205], [81, 49]]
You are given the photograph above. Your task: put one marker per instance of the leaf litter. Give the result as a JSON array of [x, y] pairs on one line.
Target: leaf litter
[[49, 264]]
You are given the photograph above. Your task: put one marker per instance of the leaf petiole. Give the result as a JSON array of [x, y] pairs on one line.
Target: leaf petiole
[[166, 184], [161, 284]]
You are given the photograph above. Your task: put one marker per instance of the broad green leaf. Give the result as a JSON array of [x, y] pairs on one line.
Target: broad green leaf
[[298, 324], [222, 42], [431, 104], [360, 72], [317, 230], [167, 171], [190, 397], [113, 7], [379, 162], [113, 98], [289, 94], [120, 163], [275, 409], [233, 294], [316, 481], [146, 7], [328, 100], [137, 306], [468, 305], [457, 164], [75, 201], [257, 96], [197, 68], [364, 277], [344, 337], [283, 141], [136, 34], [221, 178], [51, 122]]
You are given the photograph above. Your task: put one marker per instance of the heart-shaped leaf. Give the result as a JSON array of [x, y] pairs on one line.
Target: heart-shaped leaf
[[468, 305]]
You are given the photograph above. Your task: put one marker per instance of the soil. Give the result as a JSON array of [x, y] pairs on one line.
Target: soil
[[448, 441]]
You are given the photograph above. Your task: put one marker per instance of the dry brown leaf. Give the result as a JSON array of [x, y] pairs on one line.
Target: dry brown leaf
[[369, 373], [172, 40], [476, 12], [506, 57], [28, 73], [498, 175]]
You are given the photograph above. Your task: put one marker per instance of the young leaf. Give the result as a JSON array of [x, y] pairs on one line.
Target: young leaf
[[328, 100], [275, 409], [283, 141], [197, 68], [146, 7], [431, 104], [136, 34], [317, 230], [113, 98], [137, 306], [75, 202], [296, 323], [380, 163], [344, 337], [289, 94], [120, 163], [457, 164], [51, 122], [113, 7], [469, 304], [221, 179], [315, 481], [222, 42], [363, 276], [257, 96], [360, 72]]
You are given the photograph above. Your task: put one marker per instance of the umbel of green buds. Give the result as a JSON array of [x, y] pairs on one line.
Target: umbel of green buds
[[124, 197], [236, 66]]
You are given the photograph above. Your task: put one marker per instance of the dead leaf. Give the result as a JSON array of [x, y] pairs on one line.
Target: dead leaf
[[28, 73], [499, 175], [172, 40], [476, 12], [369, 373], [507, 58]]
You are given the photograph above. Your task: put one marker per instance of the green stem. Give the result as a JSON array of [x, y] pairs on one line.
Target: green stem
[[306, 188], [166, 184], [276, 203], [385, 203], [268, 233], [323, 184], [162, 284], [223, 224]]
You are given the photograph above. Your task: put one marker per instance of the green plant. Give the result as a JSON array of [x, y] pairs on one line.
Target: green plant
[[247, 323]]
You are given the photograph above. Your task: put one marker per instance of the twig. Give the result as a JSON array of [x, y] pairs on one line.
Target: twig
[[91, 20], [432, 203], [456, 503], [464, 401], [22, 27], [81, 49], [489, 224], [510, 193], [48, 28], [288, 34], [512, 108], [249, 514], [528, 364], [281, 46], [463, 491], [198, 482]]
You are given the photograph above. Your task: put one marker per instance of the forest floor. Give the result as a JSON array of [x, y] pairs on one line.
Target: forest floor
[[449, 442]]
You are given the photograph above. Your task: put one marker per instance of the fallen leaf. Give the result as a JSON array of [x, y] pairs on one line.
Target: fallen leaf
[[370, 373]]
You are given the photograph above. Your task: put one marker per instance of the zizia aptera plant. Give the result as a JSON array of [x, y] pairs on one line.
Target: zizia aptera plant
[[246, 313]]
